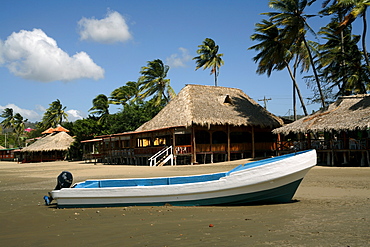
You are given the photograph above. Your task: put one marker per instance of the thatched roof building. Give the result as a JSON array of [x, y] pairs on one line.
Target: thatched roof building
[[346, 114], [1, 147], [60, 141], [209, 105]]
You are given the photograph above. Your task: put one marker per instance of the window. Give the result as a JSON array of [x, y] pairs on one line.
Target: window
[[159, 141], [219, 137], [202, 137], [240, 137], [183, 139], [143, 142]]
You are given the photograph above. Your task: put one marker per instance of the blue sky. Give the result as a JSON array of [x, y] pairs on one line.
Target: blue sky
[[75, 50]]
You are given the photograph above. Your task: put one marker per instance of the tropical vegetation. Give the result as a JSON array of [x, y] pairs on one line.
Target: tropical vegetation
[[209, 57], [284, 41], [339, 66]]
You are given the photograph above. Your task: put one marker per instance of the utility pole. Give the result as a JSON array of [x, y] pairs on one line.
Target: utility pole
[[265, 101]]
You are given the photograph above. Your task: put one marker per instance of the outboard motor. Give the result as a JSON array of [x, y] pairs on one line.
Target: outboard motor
[[64, 180]]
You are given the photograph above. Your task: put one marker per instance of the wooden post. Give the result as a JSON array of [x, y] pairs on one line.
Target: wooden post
[[194, 145], [174, 145], [228, 142], [253, 148]]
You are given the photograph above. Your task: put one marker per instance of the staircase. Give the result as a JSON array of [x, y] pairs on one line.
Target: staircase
[[162, 157]]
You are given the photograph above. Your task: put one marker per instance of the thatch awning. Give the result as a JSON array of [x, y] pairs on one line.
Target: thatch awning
[[53, 142], [346, 114], [209, 105]]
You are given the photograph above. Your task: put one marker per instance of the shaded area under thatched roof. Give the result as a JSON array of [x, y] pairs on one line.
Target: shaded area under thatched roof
[[346, 114], [209, 105], [53, 142]]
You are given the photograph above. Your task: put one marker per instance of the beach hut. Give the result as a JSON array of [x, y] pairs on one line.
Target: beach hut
[[51, 147], [340, 133], [7, 153], [202, 124]]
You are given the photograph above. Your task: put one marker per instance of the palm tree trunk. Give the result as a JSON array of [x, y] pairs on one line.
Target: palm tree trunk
[[364, 38], [315, 73], [298, 91], [216, 76], [294, 89]]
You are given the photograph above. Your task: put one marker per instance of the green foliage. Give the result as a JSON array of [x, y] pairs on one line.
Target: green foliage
[[54, 115], [153, 82], [209, 57], [126, 94], [16, 123], [132, 117]]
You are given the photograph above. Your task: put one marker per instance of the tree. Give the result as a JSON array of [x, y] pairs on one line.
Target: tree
[[293, 25], [357, 8], [154, 83], [14, 122], [126, 94], [100, 107], [273, 54], [54, 115], [19, 126], [8, 116], [132, 116], [209, 57], [341, 61]]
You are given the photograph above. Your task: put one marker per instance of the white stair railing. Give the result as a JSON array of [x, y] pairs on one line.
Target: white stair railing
[[161, 157]]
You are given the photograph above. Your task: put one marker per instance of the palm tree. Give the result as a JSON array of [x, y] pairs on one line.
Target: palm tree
[[54, 115], [19, 126], [154, 83], [100, 107], [16, 122], [294, 27], [273, 54], [8, 122], [358, 8], [342, 69], [125, 94], [208, 57]]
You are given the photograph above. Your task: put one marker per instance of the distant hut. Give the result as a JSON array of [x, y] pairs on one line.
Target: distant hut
[[51, 147], [339, 133], [203, 124]]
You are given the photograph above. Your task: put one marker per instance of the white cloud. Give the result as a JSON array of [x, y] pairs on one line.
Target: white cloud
[[74, 115], [35, 56], [31, 115], [176, 60], [111, 29]]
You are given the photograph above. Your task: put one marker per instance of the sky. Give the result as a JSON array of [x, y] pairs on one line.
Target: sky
[[75, 50]]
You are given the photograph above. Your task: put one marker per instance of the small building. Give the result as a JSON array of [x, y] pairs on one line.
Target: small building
[[202, 124], [52, 147], [7, 153], [340, 134]]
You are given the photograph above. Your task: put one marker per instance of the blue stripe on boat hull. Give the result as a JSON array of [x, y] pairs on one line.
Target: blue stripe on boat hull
[[282, 194]]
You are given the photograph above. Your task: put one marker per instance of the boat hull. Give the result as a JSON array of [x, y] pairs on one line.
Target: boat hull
[[264, 182]]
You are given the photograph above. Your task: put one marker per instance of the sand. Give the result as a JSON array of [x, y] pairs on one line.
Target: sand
[[330, 208]]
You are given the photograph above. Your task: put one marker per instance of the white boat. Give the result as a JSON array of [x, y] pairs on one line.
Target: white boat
[[273, 180]]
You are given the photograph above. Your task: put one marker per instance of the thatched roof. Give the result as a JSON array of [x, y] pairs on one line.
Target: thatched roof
[[54, 142], [347, 113], [1, 147], [209, 105]]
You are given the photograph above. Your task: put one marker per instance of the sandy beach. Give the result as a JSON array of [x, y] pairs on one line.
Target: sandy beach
[[331, 208]]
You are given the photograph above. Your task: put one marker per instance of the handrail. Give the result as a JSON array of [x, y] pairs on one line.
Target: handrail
[[167, 151]]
